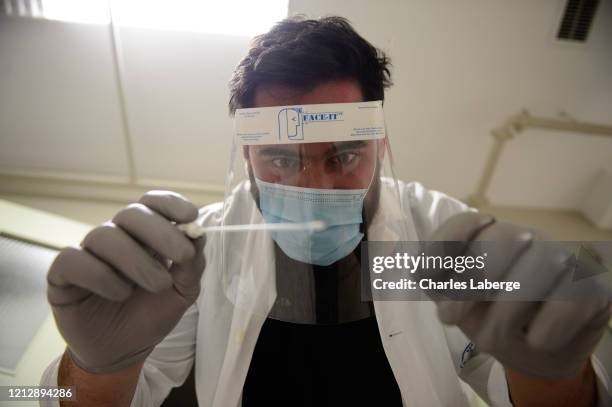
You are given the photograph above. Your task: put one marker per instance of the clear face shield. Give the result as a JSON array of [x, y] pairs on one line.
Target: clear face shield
[[305, 183]]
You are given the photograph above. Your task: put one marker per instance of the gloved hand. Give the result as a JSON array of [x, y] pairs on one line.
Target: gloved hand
[[550, 339], [127, 286]]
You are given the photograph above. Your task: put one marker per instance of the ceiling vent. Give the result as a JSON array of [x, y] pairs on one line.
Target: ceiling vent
[[577, 20]]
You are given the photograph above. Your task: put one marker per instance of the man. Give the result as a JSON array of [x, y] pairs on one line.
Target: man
[[278, 318]]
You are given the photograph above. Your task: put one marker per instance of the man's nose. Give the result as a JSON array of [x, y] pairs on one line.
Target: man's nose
[[314, 176]]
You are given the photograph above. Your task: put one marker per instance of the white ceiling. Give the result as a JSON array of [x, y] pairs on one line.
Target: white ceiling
[[460, 69]]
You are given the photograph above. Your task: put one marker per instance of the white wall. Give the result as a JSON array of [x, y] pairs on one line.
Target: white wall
[[176, 84], [59, 107], [58, 101], [460, 69]]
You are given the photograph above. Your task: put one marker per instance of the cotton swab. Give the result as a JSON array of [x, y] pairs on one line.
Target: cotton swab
[[195, 230]]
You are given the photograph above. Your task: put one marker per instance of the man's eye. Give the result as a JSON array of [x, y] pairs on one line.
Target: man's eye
[[285, 163], [344, 159]]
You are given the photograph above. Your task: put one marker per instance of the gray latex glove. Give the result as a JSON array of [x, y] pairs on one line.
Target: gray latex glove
[[550, 339], [127, 286]]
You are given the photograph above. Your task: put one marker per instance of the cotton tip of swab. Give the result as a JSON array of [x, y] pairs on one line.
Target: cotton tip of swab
[[317, 225], [193, 230]]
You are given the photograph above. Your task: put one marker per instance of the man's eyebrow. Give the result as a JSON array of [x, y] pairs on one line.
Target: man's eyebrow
[[346, 145], [274, 151]]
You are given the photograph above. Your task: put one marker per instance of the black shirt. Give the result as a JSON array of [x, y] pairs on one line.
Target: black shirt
[[320, 365]]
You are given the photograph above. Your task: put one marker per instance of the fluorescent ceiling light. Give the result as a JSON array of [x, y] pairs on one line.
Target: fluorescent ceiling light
[[77, 11], [230, 17]]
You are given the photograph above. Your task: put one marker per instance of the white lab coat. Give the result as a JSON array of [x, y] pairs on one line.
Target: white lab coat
[[425, 356]]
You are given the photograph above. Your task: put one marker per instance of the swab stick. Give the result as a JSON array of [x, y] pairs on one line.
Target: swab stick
[[194, 230]]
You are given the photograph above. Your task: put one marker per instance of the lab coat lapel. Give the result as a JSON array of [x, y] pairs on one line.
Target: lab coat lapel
[[244, 331], [411, 334], [252, 292]]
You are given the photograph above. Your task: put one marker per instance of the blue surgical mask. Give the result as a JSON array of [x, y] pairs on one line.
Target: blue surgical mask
[[339, 209]]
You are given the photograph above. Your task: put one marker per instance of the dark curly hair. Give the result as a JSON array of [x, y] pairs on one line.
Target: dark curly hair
[[303, 53]]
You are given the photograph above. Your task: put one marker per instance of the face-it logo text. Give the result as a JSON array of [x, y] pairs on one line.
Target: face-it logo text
[[321, 117], [291, 122]]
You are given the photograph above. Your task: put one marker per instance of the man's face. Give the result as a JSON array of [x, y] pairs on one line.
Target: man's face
[[333, 165]]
